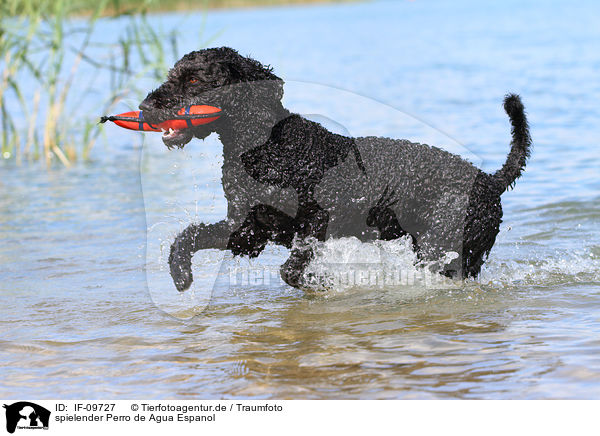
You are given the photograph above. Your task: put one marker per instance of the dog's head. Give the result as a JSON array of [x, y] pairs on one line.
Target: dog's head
[[298, 154], [219, 77]]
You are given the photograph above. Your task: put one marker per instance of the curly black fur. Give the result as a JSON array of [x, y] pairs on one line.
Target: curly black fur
[[521, 143], [286, 177]]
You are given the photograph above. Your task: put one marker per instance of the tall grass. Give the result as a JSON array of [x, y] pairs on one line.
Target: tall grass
[[44, 52]]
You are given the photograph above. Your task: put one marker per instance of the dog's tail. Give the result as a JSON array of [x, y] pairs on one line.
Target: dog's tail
[[520, 144]]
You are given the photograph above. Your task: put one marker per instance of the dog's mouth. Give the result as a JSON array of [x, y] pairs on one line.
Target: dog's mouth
[[177, 138]]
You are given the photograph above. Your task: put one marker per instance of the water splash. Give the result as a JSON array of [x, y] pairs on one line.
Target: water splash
[[348, 264], [542, 268]]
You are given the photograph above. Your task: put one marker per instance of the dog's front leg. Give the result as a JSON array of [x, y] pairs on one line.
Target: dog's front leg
[[312, 223], [264, 223], [195, 237]]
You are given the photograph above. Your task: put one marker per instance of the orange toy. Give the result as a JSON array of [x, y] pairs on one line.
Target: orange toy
[[187, 117]]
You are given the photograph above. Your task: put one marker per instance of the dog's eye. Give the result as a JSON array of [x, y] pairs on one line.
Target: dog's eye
[[193, 80]]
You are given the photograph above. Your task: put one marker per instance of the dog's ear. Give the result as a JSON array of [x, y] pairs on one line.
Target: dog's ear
[[259, 77], [246, 69]]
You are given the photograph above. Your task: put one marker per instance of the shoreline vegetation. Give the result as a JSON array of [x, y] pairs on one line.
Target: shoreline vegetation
[[189, 5], [46, 63], [86, 8]]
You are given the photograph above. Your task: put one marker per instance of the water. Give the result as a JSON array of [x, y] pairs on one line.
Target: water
[[79, 319]]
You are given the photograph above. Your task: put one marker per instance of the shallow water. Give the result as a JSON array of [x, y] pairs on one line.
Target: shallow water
[[83, 318]]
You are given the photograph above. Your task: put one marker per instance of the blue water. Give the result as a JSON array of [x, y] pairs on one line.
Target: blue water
[[82, 314]]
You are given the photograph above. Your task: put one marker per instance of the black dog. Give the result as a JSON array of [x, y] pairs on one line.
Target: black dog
[[286, 177]]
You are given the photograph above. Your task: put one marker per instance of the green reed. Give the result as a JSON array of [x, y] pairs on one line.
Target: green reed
[[42, 51]]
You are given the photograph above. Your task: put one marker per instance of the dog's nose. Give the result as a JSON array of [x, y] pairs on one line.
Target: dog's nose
[[144, 106]]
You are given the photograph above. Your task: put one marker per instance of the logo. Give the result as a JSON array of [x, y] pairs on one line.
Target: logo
[[26, 415]]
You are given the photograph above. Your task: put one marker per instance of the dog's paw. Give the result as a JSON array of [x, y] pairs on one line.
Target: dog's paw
[[292, 271], [181, 271], [182, 277]]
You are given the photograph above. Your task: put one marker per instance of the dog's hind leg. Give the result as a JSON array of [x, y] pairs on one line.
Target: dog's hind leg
[[384, 218], [195, 237]]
